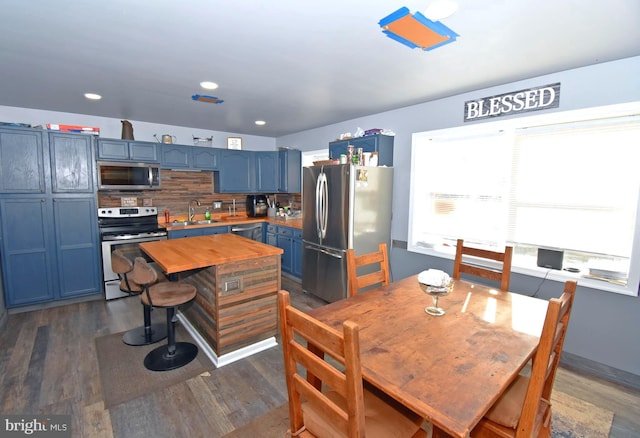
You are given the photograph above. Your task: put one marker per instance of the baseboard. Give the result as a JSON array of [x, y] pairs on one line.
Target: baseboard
[[605, 372]]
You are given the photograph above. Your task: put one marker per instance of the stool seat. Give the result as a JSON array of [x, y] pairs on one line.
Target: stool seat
[[168, 295]]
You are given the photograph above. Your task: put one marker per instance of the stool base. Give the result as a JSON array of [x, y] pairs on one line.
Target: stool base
[[160, 360], [138, 336]]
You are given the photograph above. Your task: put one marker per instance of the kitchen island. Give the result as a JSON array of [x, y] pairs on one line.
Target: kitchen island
[[234, 314]]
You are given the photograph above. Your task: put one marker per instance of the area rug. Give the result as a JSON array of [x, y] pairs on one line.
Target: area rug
[[124, 377], [575, 418], [572, 418]]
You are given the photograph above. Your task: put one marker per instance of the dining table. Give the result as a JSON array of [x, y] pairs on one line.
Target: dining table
[[449, 369]]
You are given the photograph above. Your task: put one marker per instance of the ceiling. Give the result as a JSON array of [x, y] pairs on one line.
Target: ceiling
[[295, 64]]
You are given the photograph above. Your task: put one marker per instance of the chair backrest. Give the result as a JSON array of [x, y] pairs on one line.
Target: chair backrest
[[354, 262], [144, 275], [121, 265], [546, 360], [502, 276], [341, 408]]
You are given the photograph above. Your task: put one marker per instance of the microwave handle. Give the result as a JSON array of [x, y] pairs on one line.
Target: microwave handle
[[150, 177]]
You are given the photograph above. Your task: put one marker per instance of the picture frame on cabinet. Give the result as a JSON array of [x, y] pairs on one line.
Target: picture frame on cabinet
[[234, 142]]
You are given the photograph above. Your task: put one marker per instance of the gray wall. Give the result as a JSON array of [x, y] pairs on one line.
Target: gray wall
[[605, 326]]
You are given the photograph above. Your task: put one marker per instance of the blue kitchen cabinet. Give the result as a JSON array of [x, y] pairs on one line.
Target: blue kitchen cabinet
[[203, 231], [205, 158], [22, 160], [266, 171], [288, 239], [236, 174], [27, 256], [290, 171], [72, 163], [126, 150], [285, 242], [271, 235], [187, 232], [382, 144], [296, 253], [207, 231], [77, 246], [48, 226], [175, 156]]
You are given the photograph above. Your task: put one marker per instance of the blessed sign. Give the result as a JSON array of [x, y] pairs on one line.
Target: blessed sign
[[522, 101]]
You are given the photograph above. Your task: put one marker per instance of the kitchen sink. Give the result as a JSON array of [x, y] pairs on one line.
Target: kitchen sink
[[187, 223]]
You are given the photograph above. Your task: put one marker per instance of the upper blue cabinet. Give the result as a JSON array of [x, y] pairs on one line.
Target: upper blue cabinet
[[175, 156], [72, 163], [22, 161], [382, 144], [290, 175], [237, 172], [127, 150], [259, 171]]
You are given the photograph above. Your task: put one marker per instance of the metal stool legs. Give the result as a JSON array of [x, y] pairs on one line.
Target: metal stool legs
[[172, 355], [147, 334]]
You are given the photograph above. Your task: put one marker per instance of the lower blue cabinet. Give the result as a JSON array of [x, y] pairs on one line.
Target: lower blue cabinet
[[290, 241], [46, 260], [192, 232]]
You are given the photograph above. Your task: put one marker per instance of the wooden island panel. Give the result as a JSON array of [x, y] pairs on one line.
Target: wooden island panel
[[237, 280]]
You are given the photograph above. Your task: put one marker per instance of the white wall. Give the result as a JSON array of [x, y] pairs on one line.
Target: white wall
[[142, 131]]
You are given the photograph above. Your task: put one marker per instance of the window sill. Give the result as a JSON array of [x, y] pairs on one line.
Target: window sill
[[629, 289]]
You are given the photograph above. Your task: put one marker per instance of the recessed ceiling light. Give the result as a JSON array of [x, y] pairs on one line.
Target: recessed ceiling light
[[208, 85], [260, 122], [439, 9], [92, 96]]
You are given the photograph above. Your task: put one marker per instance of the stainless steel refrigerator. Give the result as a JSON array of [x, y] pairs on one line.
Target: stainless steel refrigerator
[[344, 206]]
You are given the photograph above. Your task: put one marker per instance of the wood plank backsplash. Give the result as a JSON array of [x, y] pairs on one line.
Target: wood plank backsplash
[[178, 188]]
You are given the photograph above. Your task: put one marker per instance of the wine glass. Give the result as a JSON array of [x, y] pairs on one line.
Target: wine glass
[[436, 292]]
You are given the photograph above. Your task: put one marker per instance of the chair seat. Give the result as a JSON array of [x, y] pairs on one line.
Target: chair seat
[[382, 420], [169, 294]]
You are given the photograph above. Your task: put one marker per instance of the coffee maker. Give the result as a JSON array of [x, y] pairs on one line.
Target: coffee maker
[[256, 205]]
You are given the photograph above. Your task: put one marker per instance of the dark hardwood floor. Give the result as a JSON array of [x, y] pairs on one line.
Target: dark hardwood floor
[[48, 365]]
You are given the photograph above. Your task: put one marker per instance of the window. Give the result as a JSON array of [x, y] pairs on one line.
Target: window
[[569, 183]]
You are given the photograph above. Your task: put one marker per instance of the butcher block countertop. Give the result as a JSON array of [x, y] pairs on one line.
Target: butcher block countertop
[[238, 220], [178, 255]]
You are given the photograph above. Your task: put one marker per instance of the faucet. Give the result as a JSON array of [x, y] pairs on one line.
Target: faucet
[[192, 209]]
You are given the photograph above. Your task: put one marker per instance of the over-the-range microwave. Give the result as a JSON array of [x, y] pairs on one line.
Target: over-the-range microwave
[[128, 176]]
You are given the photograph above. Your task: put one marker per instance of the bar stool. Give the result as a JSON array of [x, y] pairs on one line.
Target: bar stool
[[148, 333], [168, 295]]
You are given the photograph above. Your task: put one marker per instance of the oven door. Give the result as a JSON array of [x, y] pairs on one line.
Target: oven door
[[131, 250]]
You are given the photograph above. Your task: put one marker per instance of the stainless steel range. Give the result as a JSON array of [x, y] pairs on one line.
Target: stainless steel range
[[124, 228]]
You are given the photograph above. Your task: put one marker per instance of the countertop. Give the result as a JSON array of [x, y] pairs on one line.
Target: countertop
[[236, 220], [179, 255]]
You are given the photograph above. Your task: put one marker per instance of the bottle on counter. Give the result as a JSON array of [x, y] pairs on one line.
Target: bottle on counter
[[167, 216], [207, 214]]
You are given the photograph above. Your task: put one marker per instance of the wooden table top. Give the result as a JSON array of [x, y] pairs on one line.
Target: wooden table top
[[178, 255], [449, 369]]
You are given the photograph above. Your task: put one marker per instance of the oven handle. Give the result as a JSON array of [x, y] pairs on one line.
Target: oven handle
[[153, 236]]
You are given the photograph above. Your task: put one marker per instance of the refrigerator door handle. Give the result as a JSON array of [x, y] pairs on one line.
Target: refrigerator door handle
[[325, 204], [318, 208], [324, 251]]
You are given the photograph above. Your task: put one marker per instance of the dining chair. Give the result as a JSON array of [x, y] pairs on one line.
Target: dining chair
[[524, 410], [344, 408], [502, 275], [354, 262]]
